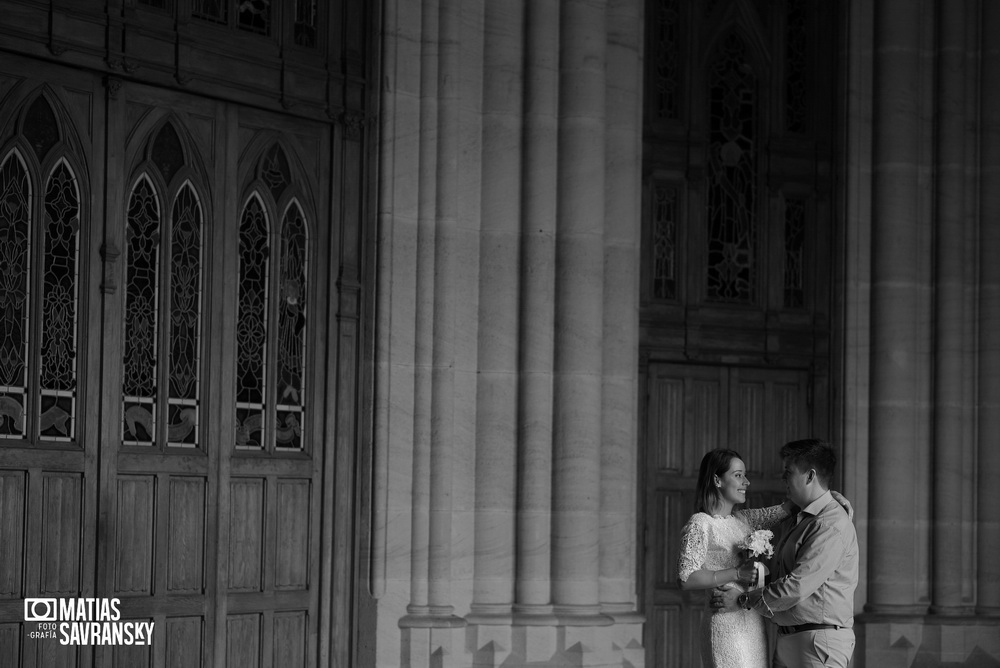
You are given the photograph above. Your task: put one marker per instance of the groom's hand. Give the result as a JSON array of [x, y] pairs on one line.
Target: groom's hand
[[724, 599]]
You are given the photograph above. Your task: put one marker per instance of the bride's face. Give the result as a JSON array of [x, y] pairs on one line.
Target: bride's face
[[733, 485]]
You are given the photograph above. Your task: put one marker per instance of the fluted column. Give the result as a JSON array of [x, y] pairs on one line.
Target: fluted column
[[899, 455], [954, 455], [621, 322], [445, 295], [423, 354], [988, 527], [499, 322], [537, 323], [579, 307]]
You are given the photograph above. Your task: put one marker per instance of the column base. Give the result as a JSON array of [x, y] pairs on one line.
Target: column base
[[890, 640], [546, 639]]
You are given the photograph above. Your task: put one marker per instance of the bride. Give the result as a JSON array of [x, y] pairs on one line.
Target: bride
[[710, 558]]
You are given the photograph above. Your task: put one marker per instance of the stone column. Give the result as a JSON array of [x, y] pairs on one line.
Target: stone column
[[988, 527], [621, 308], [579, 308], [423, 354], [499, 321], [898, 541], [954, 448], [537, 324]]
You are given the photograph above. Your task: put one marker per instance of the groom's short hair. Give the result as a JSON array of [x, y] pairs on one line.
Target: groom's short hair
[[812, 453]]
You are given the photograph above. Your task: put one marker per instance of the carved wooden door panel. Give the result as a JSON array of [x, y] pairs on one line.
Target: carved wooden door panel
[[213, 381], [49, 354], [692, 409]]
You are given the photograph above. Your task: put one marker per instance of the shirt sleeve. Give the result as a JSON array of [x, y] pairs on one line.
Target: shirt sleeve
[[817, 557], [763, 518], [694, 548]]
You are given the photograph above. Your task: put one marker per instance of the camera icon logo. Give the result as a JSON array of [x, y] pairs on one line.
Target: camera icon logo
[[41, 610]]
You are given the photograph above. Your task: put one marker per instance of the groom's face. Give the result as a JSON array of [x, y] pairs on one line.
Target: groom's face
[[795, 483]]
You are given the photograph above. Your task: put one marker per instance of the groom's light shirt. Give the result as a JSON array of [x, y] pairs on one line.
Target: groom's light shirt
[[814, 569]]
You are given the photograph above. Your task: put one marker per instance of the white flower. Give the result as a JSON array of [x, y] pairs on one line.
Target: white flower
[[758, 543]]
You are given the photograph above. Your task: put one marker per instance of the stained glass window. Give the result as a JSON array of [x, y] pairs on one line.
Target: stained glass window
[[142, 241], [795, 232], [305, 22], [215, 11], [666, 66], [60, 296], [255, 16], [15, 268], [664, 242], [733, 177], [251, 325], [291, 331], [185, 319], [795, 66]]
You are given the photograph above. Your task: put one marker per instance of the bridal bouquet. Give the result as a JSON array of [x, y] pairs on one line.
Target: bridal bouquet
[[756, 545]]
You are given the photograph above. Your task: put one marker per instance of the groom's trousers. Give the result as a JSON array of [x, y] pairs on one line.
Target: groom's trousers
[[815, 649]]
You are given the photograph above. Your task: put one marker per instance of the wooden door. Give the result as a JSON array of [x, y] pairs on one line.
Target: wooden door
[[692, 409], [163, 370]]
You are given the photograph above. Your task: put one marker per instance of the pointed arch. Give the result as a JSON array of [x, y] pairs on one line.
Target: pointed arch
[[142, 281], [16, 251], [734, 127], [291, 326], [252, 322], [60, 286], [40, 127], [186, 281]]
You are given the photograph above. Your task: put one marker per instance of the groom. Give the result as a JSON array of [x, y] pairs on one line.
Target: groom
[[814, 571]]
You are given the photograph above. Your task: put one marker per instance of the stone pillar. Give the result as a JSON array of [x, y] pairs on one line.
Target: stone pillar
[[499, 321], [579, 301], [621, 291], [901, 270], [954, 447], [537, 325], [988, 527]]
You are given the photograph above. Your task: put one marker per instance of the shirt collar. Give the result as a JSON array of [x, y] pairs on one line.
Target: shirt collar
[[818, 504]]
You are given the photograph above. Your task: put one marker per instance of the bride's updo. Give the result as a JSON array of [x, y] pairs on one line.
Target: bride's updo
[[714, 463]]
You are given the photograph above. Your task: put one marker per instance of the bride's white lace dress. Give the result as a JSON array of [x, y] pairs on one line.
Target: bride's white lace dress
[[728, 639]]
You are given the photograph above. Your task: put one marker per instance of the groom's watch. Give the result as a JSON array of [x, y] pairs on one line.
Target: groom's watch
[[744, 601]]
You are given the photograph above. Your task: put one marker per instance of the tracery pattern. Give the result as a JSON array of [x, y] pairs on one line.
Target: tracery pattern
[[15, 268], [795, 63], [185, 319], [664, 242], [291, 331], [795, 230], [167, 153], [667, 59], [141, 317], [251, 325], [274, 172], [305, 22], [255, 16], [732, 199], [41, 129], [216, 11], [60, 296]]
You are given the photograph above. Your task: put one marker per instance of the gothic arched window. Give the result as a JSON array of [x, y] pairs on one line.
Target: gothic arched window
[[40, 218], [163, 301], [271, 317]]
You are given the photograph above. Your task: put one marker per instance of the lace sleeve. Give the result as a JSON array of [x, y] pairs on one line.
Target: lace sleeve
[[763, 518], [694, 547]]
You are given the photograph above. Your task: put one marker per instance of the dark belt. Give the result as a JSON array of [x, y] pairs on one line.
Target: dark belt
[[789, 630]]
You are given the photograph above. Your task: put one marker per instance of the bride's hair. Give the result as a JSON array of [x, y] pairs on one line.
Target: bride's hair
[[714, 463]]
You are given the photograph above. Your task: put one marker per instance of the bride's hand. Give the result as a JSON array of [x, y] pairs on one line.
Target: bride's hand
[[747, 573], [842, 500]]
